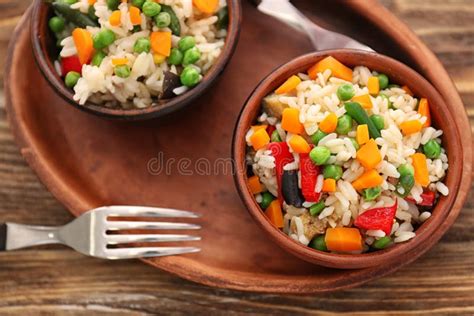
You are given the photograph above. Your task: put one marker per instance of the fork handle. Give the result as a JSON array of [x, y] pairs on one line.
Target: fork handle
[[16, 236]]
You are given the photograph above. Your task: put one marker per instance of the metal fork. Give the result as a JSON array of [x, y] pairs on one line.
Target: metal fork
[[89, 234], [321, 38]]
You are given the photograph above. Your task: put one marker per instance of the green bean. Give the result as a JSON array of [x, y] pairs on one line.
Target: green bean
[[222, 18], [74, 16], [98, 57], [316, 137], [275, 137], [317, 208], [112, 4], [356, 111], [382, 243]]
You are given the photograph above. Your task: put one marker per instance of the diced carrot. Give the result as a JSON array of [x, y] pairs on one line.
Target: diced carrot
[[411, 127], [254, 185], [299, 144], [161, 42], [337, 69], [368, 179], [329, 124], [257, 127], [290, 121], [274, 213], [329, 185], [135, 16], [421, 169], [373, 85], [91, 2], [407, 90], [206, 6], [84, 44], [289, 85], [369, 155], [259, 139], [364, 100], [119, 61], [424, 110], [362, 134], [343, 239], [115, 18]]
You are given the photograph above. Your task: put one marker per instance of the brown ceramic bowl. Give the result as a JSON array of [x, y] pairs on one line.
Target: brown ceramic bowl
[[398, 73], [45, 52]]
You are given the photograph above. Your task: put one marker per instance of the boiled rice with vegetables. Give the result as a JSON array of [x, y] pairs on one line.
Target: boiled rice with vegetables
[[135, 54], [344, 161]]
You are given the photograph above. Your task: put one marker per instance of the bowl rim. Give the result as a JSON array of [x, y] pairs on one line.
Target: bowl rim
[[48, 71], [342, 261]]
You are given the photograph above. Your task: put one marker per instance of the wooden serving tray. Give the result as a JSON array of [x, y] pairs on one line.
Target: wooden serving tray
[[86, 161]]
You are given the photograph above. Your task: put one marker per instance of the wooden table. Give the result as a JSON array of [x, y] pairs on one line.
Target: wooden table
[[55, 280]]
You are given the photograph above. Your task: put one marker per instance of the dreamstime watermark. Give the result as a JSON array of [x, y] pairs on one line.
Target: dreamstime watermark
[[161, 165]]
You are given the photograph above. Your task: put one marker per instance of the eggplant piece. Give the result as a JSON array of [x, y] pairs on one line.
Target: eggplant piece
[[272, 106], [290, 190], [171, 81]]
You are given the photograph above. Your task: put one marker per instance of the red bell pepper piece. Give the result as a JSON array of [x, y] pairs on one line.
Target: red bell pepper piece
[[281, 152], [270, 129], [378, 218], [70, 63], [309, 176], [428, 198]]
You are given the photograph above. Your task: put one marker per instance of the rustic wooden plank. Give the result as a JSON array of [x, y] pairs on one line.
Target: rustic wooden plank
[[54, 280]]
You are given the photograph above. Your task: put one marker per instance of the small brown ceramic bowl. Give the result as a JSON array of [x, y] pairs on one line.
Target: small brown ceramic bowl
[[46, 52], [398, 73]]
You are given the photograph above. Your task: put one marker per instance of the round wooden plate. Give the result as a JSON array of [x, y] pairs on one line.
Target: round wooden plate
[[86, 161]]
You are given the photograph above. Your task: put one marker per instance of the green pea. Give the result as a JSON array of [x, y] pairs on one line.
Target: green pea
[[371, 194], [316, 137], [344, 124], [98, 57], [191, 56], [190, 76], [406, 169], [390, 104], [319, 243], [332, 172], [317, 208], [163, 20], [354, 143], [138, 3], [186, 43], [113, 4], [378, 121], [345, 92], [319, 155], [71, 79], [176, 57], [432, 149], [383, 81], [267, 198], [122, 71], [69, 1], [142, 45], [103, 39], [381, 243], [151, 8], [56, 24], [275, 137]]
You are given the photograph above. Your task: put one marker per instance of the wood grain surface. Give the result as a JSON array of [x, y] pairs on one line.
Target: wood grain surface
[[55, 280]]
